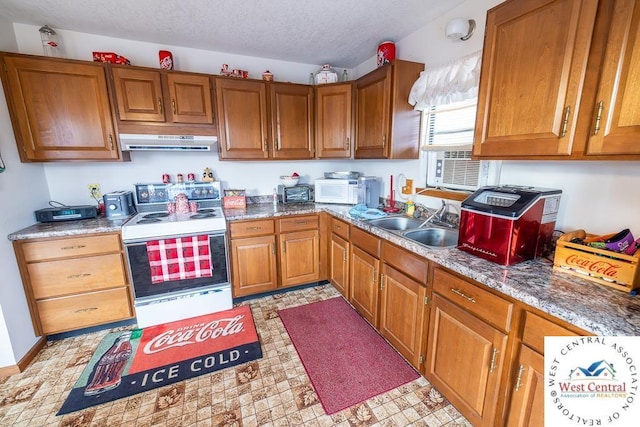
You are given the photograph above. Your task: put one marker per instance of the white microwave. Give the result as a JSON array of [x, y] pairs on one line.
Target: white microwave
[[343, 191]]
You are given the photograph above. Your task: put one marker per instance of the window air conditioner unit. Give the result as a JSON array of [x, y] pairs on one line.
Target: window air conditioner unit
[[455, 169]]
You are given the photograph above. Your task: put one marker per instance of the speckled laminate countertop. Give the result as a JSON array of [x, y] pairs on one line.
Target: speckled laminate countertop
[[68, 228], [594, 308]]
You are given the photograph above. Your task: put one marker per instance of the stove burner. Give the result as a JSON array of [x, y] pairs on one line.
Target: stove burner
[[156, 215], [146, 220], [205, 210], [202, 215]]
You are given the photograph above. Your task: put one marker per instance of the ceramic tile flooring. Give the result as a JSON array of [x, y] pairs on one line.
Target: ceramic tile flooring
[[272, 391]]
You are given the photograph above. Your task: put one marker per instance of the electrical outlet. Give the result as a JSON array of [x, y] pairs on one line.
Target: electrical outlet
[[407, 188], [94, 191]]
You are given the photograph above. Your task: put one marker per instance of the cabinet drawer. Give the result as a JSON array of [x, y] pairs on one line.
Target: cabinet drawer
[[405, 261], [298, 223], [251, 228], [340, 228], [71, 247], [489, 307], [81, 311], [536, 328], [365, 241], [70, 276]]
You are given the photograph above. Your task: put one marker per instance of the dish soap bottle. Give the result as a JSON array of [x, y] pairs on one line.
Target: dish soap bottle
[[409, 207]]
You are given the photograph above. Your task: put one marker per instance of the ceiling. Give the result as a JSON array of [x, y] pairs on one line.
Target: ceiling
[[343, 33]]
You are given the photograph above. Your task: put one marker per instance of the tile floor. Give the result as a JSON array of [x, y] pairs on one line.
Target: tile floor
[[272, 391]]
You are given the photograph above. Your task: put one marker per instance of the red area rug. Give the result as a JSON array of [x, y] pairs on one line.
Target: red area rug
[[346, 359], [131, 362]]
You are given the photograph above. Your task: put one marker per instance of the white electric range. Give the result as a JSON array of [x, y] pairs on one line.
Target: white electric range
[[153, 237]]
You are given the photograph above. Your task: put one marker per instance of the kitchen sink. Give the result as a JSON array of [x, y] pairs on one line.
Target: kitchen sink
[[433, 237], [396, 223]]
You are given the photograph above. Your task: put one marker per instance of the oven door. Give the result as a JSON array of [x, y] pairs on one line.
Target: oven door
[[140, 271]]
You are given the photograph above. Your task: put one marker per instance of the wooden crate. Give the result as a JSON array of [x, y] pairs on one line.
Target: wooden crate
[[609, 268]]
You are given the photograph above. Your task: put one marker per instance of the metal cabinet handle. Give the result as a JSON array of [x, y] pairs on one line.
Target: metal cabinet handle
[[384, 141], [82, 310], [273, 248], [337, 227], [565, 122], [347, 144], [264, 147], [160, 105], [519, 378], [493, 360], [344, 256], [381, 281], [463, 295], [300, 222], [173, 105], [110, 142], [254, 228], [64, 248], [598, 117]]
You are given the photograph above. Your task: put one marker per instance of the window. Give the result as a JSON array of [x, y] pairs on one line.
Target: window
[[449, 125]]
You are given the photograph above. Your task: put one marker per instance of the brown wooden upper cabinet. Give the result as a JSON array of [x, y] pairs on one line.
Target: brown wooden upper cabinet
[[334, 120], [387, 127], [162, 97], [259, 120], [560, 80], [59, 109]]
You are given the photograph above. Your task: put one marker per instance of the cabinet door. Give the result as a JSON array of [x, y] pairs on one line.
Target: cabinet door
[[616, 126], [339, 265], [299, 257], [527, 399], [138, 94], [534, 61], [373, 100], [190, 98], [292, 121], [334, 121], [60, 109], [254, 265], [241, 106], [402, 310], [465, 360], [363, 281]]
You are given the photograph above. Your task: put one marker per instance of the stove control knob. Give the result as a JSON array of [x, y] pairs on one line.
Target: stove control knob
[[112, 207]]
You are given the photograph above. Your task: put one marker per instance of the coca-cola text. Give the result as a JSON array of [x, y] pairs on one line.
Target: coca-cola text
[[601, 267], [181, 337]]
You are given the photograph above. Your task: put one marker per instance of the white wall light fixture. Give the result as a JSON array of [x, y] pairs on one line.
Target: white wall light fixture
[[460, 29]]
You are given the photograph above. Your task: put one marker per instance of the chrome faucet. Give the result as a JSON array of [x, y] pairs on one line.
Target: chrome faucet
[[438, 217]]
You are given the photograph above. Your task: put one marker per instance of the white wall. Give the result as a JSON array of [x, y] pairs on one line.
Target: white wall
[[23, 187]]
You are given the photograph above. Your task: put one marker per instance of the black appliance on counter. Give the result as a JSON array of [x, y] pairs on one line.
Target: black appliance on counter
[[301, 193]]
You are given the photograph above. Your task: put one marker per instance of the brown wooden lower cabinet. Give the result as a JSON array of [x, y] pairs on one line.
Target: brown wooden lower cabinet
[[402, 313], [299, 258], [268, 254], [465, 360], [254, 267], [74, 282], [527, 399], [339, 264], [363, 280]]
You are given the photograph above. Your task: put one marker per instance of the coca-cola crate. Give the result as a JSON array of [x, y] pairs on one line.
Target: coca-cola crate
[[609, 268]]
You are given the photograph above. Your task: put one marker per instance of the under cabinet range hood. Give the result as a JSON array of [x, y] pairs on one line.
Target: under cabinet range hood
[[140, 142]]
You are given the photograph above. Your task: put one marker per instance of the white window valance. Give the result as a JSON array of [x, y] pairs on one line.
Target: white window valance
[[453, 82]]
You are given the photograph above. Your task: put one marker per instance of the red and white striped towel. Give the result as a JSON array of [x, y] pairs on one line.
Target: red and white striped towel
[[178, 259]]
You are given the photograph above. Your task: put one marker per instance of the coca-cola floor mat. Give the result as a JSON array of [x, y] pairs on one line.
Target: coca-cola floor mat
[[130, 362]]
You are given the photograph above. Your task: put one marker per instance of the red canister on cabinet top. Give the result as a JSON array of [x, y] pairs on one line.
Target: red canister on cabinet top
[[386, 53]]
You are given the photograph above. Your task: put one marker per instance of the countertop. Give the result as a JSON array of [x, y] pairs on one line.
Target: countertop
[[592, 307]]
